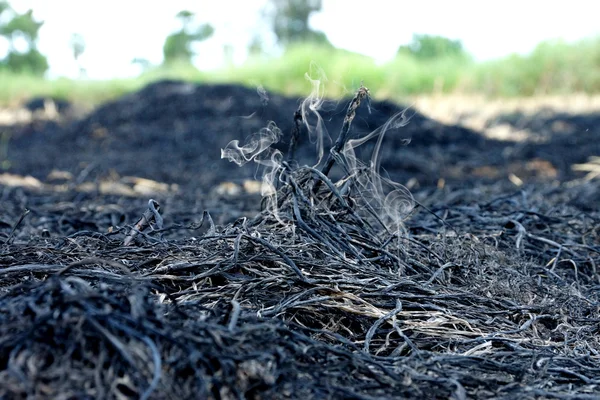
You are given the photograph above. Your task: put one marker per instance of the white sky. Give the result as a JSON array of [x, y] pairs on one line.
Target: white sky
[[117, 31]]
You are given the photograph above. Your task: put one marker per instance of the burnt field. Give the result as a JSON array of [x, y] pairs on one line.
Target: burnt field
[[431, 261]]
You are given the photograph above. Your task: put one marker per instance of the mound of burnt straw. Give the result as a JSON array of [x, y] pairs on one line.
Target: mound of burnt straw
[[341, 287], [173, 132]]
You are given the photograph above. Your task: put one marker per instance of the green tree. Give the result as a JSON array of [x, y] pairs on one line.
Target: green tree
[[4, 6], [77, 44], [427, 47], [25, 28], [22, 25], [178, 45], [31, 61], [256, 47], [289, 19]]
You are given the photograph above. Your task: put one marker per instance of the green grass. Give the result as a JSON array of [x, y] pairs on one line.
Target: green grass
[[553, 68], [15, 88]]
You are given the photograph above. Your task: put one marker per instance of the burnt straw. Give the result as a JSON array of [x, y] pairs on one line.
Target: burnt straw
[[361, 94], [311, 297]]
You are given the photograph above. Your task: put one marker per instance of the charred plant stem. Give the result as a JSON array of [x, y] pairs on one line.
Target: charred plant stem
[[150, 215], [280, 253], [16, 225], [295, 135], [360, 95]]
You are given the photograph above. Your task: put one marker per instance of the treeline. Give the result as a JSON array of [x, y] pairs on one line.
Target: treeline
[[428, 64], [287, 19]]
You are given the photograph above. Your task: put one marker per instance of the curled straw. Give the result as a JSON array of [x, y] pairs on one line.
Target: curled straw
[[152, 214]]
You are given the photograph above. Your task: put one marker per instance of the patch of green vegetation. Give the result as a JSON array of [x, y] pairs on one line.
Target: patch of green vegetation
[[17, 88], [554, 67]]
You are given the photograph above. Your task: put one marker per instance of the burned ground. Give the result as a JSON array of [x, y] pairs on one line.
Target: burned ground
[[490, 290]]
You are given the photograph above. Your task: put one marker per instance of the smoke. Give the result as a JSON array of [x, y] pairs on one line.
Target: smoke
[[262, 93], [389, 200], [310, 108], [258, 149], [253, 150]]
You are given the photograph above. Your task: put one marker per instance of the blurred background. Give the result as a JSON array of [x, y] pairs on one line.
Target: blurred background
[[91, 51]]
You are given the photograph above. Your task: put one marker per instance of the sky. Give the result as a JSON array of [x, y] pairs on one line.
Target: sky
[[115, 32]]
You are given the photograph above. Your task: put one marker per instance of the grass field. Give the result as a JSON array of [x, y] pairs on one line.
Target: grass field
[[553, 68]]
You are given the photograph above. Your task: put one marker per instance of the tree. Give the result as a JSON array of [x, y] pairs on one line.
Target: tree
[[289, 19], [428, 47], [22, 27], [256, 48], [4, 6], [178, 45], [31, 61], [78, 47]]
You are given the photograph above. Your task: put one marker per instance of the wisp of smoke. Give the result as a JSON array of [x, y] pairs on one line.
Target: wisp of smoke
[[258, 149], [256, 145], [311, 106], [262, 93], [391, 201], [376, 196]]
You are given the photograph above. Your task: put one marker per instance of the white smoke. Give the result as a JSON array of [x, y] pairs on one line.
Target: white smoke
[[391, 201], [253, 150], [311, 106], [262, 93]]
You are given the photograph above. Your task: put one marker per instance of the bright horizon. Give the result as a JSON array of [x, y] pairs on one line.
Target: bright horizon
[[113, 39]]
